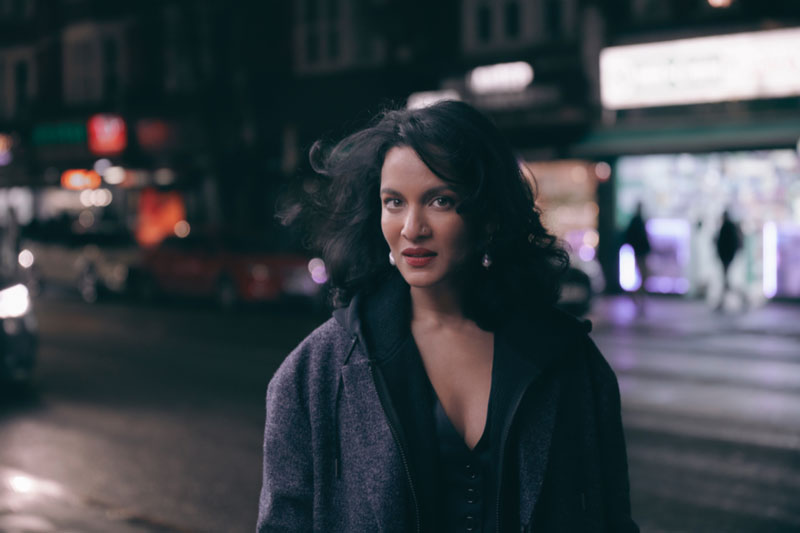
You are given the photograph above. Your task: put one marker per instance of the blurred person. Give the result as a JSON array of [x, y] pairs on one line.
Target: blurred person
[[636, 236], [728, 242], [446, 392]]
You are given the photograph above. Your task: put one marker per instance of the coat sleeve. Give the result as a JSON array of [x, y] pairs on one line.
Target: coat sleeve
[[611, 439], [286, 502]]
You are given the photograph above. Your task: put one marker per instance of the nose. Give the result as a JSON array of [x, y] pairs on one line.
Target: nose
[[415, 226]]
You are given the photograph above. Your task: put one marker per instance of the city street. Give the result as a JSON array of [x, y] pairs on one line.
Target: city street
[[149, 418]]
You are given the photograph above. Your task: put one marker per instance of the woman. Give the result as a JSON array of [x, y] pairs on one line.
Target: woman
[[446, 394]]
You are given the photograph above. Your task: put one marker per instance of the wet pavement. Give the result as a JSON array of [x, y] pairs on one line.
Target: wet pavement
[[711, 407]]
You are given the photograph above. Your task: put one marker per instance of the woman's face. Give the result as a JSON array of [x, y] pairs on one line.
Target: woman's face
[[426, 235]]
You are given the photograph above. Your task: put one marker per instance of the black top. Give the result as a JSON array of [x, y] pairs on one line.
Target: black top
[[467, 477]]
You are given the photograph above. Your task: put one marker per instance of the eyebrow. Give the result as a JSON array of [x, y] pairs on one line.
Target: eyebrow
[[430, 192]]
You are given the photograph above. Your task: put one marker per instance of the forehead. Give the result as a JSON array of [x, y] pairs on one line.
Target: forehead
[[403, 169]]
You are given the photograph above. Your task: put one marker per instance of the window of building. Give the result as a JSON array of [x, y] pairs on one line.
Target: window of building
[[3, 104], [484, 23], [512, 19], [110, 68], [20, 86], [312, 10], [312, 47], [552, 16], [333, 44]]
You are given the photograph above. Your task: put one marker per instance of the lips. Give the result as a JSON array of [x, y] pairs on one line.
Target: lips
[[418, 257]]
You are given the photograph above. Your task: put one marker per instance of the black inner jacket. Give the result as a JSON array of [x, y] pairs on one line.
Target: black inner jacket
[[385, 316]]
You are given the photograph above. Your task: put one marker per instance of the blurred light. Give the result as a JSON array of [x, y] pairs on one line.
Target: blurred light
[[21, 484], [101, 197], [629, 278], [79, 179], [182, 229], [500, 78], [259, 272], [86, 198], [101, 165], [107, 134], [120, 273], [318, 272], [591, 238], [717, 68], [14, 301], [586, 253], [86, 218], [164, 176], [25, 258], [719, 3], [114, 175], [770, 259], [427, 98], [602, 170], [5, 149], [578, 174]]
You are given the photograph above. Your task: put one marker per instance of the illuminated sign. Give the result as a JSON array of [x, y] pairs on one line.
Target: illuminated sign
[[500, 78], [705, 69], [78, 179], [5, 149], [59, 133], [107, 134]]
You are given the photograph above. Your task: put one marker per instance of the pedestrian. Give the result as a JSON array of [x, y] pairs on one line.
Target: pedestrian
[[729, 241], [446, 393], [636, 236]]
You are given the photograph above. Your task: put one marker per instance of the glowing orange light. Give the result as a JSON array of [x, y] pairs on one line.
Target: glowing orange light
[[79, 179]]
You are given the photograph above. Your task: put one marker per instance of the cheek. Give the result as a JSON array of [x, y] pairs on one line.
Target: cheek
[[388, 227]]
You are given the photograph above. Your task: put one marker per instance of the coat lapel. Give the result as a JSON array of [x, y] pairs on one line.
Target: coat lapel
[[375, 461], [536, 432]]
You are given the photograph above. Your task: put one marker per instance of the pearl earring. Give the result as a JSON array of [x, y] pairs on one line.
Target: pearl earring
[[391, 259], [486, 261]]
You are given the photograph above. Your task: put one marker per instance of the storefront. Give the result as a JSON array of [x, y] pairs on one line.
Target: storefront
[[722, 144]]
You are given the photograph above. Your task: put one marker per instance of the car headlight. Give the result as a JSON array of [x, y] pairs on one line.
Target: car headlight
[[14, 301]]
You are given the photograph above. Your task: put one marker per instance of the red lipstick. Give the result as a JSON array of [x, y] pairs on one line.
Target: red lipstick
[[418, 257]]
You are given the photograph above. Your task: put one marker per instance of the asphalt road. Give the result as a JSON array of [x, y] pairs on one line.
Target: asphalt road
[[154, 414]]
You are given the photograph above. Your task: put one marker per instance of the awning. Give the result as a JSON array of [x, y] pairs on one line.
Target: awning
[[695, 138]]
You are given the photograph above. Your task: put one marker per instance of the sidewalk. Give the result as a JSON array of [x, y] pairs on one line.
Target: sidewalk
[[31, 505], [684, 316]]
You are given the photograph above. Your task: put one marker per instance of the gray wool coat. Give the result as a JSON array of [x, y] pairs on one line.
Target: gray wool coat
[[332, 462]]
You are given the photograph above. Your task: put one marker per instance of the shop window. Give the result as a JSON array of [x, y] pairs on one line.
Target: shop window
[[512, 19], [484, 24]]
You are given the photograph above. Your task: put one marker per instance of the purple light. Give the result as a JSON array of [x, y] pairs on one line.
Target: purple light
[[586, 252], [629, 278]]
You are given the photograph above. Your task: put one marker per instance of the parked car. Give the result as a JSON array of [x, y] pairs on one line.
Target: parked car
[[90, 262], [229, 270], [18, 337], [582, 281]]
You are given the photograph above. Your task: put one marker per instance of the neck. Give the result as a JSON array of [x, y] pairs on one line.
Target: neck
[[438, 305]]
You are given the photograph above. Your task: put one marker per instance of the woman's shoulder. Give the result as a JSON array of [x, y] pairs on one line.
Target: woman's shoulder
[[318, 355]]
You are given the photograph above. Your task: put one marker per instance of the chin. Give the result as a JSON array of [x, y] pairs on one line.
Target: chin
[[421, 280]]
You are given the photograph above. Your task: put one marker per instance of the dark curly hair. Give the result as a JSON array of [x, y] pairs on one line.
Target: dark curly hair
[[339, 209]]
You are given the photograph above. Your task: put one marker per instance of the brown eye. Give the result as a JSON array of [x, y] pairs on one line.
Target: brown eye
[[443, 201], [391, 203]]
